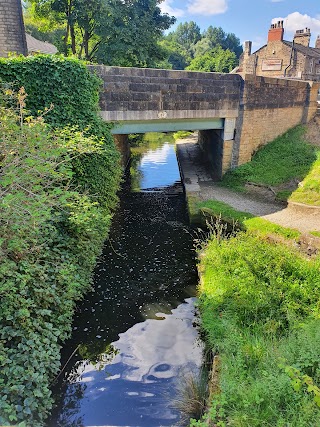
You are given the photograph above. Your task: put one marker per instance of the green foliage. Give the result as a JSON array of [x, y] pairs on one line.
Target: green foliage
[[186, 35], [57, 190], [286, 158], [216, 60], [65, 84], [69, 93], [43, 28], [228, 41], [182, 134], [177, 56], [187, 44], [115, 32], [259, 305], [308, 190]]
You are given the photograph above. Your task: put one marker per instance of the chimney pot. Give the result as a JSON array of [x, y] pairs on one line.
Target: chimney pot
[[276, 32], [302, 37]]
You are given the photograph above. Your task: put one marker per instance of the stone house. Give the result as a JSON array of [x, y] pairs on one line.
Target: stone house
[[283, 59]]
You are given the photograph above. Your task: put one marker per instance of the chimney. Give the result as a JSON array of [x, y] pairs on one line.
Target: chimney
[[302, 37], [317, 46], [276, 31], [248, 47]]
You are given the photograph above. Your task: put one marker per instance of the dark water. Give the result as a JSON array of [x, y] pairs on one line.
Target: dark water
[[133, 337]]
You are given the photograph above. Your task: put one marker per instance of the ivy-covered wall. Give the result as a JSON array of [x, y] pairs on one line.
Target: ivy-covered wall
[[59, 174]]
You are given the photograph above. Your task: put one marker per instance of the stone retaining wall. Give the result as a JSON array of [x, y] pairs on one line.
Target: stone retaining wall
[[268, 109]]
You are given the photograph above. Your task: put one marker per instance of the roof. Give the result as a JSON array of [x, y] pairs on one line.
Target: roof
[[35, 45], [305, 50]]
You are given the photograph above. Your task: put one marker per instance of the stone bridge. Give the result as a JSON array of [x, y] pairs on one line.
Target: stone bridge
[[234, 116]]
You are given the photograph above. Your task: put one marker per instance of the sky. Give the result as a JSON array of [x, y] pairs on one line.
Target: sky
[[248, 19]]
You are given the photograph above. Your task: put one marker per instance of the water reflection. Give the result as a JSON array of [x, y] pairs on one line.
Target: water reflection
[[136, 387], [155, 168], [134, 334]]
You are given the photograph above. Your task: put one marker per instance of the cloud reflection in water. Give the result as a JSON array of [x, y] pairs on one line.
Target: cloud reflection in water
[[137, 386]]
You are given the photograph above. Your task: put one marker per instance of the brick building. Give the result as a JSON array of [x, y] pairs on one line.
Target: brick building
[[281, 58]]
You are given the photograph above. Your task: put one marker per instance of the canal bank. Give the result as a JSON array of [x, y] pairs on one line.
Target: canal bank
[[259, 305]]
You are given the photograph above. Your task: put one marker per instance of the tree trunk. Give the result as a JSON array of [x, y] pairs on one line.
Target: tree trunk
[[73, 40]]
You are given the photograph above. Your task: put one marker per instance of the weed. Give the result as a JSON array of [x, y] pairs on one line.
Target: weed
[[192, 393]]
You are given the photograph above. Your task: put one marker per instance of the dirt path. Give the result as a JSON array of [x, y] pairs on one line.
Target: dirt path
[[198, 182]]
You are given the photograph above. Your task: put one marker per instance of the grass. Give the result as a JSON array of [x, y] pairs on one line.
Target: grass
[[260, 310], [245, 220], [259, 298], [308, 191], [192, 392], [182, 134], [289, 158]]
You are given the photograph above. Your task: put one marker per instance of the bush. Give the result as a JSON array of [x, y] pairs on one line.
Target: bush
[[57, 190], [68, 94]]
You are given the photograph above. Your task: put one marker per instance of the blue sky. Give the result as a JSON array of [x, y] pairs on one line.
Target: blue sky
[[248, 19]]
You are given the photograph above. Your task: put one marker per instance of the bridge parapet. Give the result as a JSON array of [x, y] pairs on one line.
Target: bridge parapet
[[152, 94]]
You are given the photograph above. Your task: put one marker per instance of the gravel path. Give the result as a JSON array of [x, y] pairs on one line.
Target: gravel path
[[197, 181], [302, 218]]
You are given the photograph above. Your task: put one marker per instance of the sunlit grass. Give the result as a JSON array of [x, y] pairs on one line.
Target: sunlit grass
[[309, 189], [289, 158], [245, 220]]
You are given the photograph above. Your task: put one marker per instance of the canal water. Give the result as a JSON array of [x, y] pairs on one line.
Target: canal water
[[134, 338]]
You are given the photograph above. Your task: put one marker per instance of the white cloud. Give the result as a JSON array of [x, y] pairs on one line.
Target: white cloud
[[296, 21], [167, 8], [207, 7], [276, 1], [258, 42]]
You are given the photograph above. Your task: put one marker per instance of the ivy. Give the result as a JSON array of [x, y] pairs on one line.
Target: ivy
[[59, 175]]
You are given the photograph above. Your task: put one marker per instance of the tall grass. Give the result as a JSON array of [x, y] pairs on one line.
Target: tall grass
[[191, 398]]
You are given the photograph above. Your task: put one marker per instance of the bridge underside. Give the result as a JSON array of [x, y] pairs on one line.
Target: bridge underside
[[169, 125]]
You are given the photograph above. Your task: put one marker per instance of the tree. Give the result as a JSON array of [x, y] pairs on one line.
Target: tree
[[131, 35], [218, 60], [45, 28], [186, 35], [203, 46], [177, 56], [217, 37], [116, 32]]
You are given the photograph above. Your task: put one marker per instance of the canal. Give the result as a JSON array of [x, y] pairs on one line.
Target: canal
[[134, 338]]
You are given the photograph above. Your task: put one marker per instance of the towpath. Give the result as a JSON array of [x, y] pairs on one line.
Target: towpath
[[198, 183]]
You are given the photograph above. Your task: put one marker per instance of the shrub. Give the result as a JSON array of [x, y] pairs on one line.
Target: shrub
[[57, 190]]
